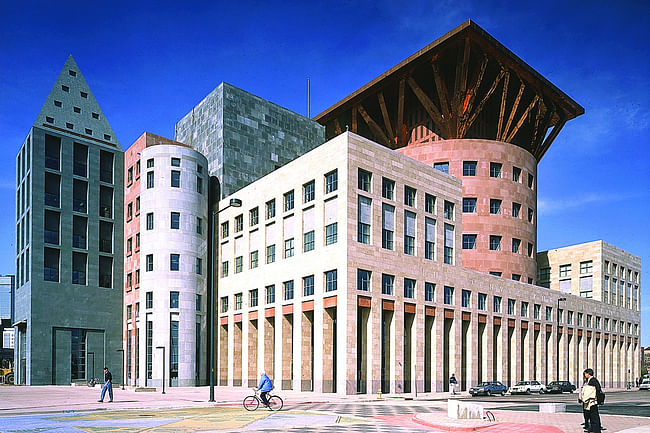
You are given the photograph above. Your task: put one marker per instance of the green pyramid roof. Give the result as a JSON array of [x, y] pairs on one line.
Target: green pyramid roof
[[71, 107]]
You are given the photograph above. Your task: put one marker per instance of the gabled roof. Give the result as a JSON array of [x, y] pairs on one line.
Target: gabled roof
[[72, 108]]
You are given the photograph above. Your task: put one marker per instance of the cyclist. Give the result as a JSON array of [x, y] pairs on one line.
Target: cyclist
[[264, 386]]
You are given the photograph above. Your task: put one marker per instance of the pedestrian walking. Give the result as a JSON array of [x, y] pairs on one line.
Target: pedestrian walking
[[591, 396], [452, 384], [108, 385]]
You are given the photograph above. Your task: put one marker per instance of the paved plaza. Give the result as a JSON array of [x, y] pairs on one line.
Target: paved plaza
[[63, 409]]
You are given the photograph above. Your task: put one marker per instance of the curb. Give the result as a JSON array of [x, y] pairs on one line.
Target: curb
[[451, 428]]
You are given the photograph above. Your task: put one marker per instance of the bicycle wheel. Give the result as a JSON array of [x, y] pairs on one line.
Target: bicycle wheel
[[275, 403], [251, 403]]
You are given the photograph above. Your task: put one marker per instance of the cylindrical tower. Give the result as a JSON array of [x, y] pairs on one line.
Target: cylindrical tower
[[499, 219], [173, 257]]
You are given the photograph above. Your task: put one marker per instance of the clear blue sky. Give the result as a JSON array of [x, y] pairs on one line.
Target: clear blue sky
[[148, 65]]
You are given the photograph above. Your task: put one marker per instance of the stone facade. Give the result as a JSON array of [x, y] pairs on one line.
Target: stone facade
[[398, 319], [245, 137], [69, 199]]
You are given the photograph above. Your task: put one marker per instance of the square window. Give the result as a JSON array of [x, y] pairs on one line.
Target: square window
[[441, 166], [176, 162], [387, 188], [107, 137], [495, 169], [69, 125], [95, 115], [89, 131], [364, 180], [363, 280], [469, 168], [49, 119], [516, 277], [469, 205], [469, 242], [495, 243]]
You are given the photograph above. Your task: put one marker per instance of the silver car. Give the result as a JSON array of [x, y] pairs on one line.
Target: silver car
[[645, 385]]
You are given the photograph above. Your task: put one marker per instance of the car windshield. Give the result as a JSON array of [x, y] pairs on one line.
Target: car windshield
[[484, 384], [522, 383], [553, 383], [646, 381]]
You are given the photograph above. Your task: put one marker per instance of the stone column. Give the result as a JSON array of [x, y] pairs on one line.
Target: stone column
[[286, 339], [328, 350], [269, 346], [252, 354], [306, 347], [237, 355]]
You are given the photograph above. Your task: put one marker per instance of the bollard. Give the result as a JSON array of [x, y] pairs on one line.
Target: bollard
[[379, 394]]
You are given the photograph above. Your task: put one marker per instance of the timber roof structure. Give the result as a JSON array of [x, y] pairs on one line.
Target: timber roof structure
[[467, 85]]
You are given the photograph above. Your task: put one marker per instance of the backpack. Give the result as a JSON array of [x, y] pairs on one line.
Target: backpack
[[600, 398]]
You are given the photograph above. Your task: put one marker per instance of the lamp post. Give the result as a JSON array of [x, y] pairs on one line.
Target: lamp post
[[123, 367], [213, 281], [163, 367], [557, 353]]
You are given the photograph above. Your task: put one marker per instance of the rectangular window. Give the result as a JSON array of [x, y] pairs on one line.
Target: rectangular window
[[239, 223], [106, 272], [225, 229], [253, 215], [149, 263], [150, 179], [331, 181], [330, 281], [198, 267], [79, 261], [530, 215], [51, 227], [252, 298], [150, 221], [449, 244], [469, 168], [429, 204], [516, 243], [173, 299], [441, 166], [105, 237], [175, 220], [254, 259], [224, 304], [364, 180], [496, 304], [449, 295], [174, 262], [495, 243], [308, 285], [150, 163], [363, 280], [511, 306], [524, 309], [364, 218], [308, 241], [238, 301], [586, 267], [387, 188], [388, 226], [409, 196], [565, 270], [129, 211], [482, 301], [149, 300], [495, 169], [224, 269], [516, 207], [495, 206], [176, 179], [308, 192], [409, 288], [531, 181], [288, 248], [387, 284], [270, 254], [288, 201], [469, 242], [331, 233], [544, 274], [469, 205], [495, 273], [199, 184], [449, 210], [288, 290], [549, 313], [80, 164], [429, 291], [51, 264], [516, 174], [531, 251], [569, 317], [105, 202], [466, 300], [52, 152], [176, 162], [429, 238], [239, 264], [270, 209], [270, 294], [409, 233], [79, 195], [199, 226], [516, 277]]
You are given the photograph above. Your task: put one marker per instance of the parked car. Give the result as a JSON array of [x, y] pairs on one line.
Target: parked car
[[488, 388], [645, 385], [560, 386], [527, 387]]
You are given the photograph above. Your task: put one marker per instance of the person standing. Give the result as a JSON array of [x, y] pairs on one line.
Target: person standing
[[591, 396], [585, 412], [265, 386], [452, 384], [108, 385]]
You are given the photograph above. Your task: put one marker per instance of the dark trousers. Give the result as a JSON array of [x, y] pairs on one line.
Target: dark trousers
[[594, 419], [586, 414], [264, 397]]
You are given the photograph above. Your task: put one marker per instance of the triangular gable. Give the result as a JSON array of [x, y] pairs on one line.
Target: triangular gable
[[71, 107]]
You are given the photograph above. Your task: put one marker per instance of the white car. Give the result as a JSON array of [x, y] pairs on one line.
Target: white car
[[645, 385], [527, 387]]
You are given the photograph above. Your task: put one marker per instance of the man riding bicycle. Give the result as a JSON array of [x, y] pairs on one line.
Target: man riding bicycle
[[264, 386]]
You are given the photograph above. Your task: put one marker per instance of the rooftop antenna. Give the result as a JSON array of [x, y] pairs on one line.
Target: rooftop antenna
[[308, 97]]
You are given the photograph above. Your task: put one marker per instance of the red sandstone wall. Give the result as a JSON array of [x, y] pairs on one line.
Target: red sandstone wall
[[484, 188]]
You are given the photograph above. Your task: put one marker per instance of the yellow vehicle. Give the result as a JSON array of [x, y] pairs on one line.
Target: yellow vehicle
[[6, 372]]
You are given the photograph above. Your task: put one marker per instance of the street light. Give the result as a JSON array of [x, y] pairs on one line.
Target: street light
[[213, 281], [557, 353], [123, 367], [163, 367]]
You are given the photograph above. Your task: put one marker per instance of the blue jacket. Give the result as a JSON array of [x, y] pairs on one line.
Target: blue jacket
[[265, 384]]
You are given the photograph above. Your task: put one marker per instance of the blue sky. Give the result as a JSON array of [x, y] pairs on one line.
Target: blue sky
[[149, 64]]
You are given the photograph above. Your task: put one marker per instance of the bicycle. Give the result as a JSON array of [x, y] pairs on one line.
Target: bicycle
[[252, 402], [94, 381]]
